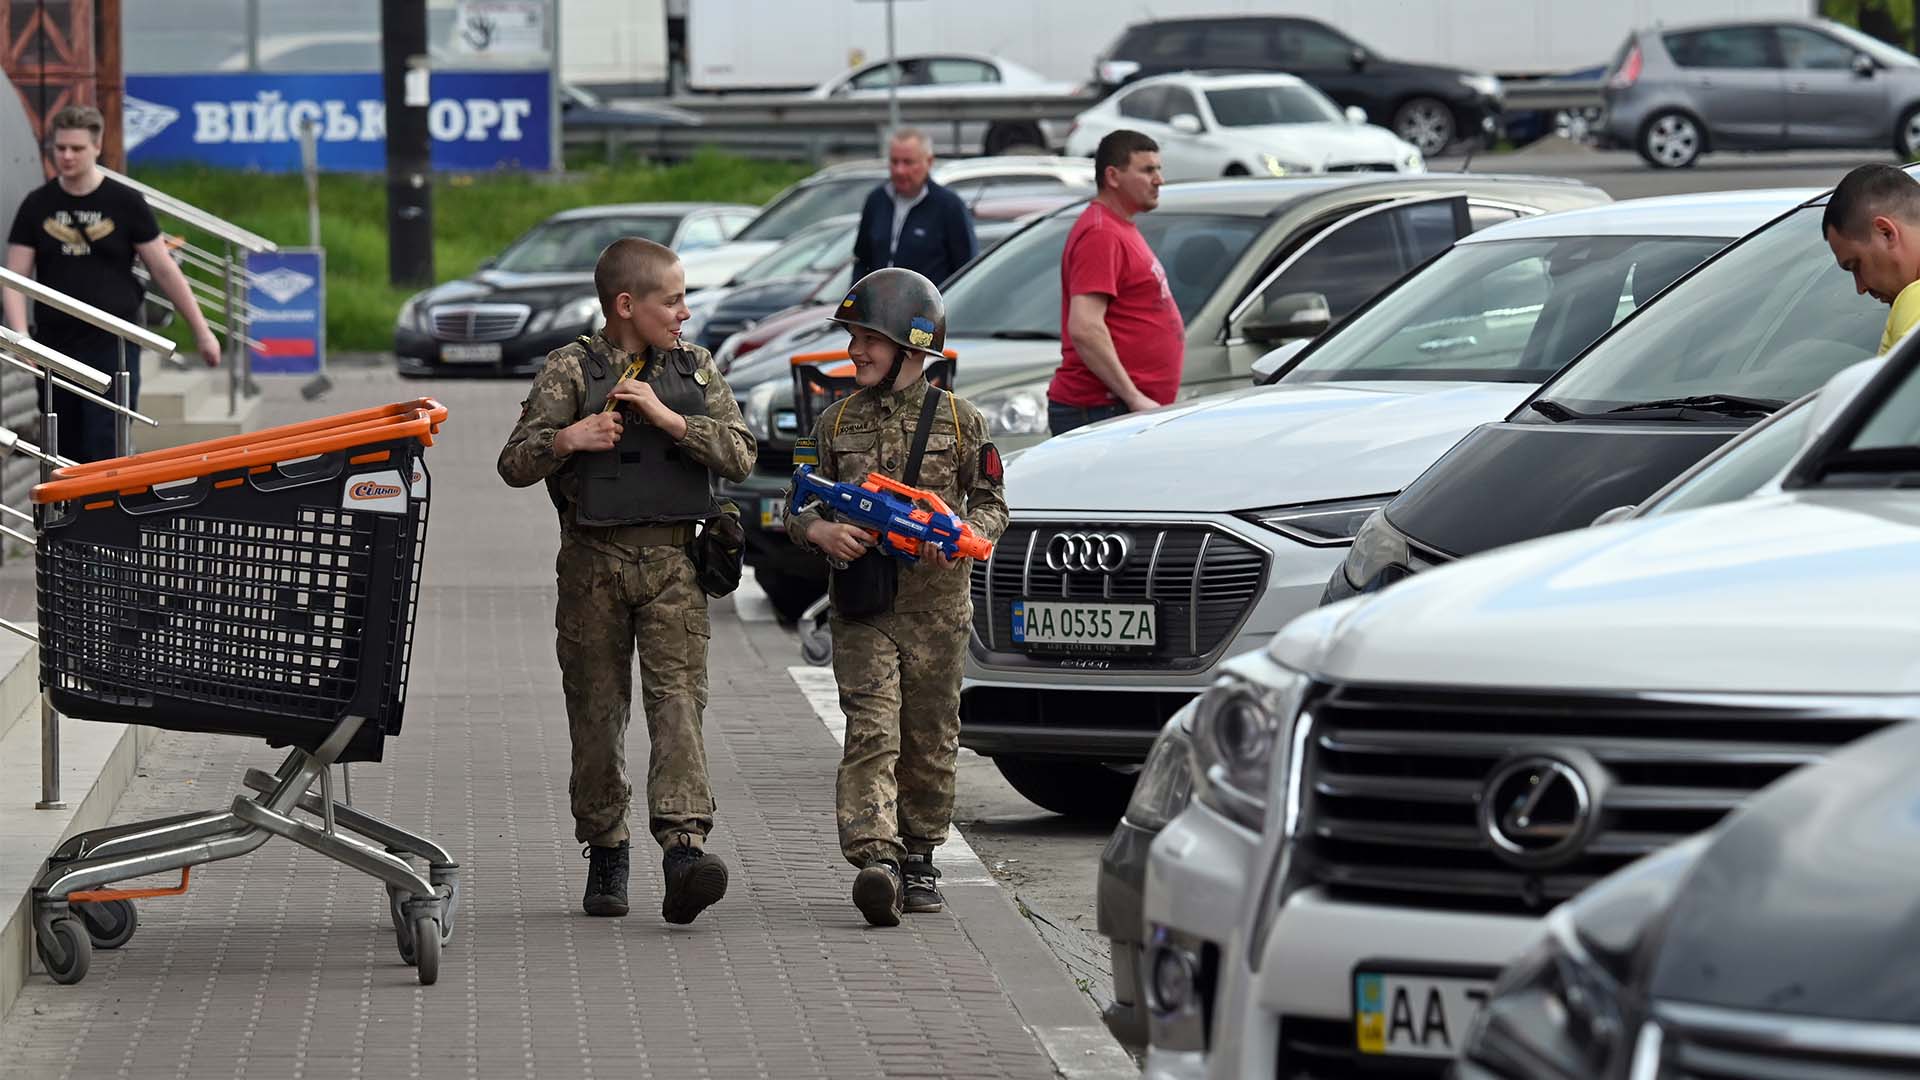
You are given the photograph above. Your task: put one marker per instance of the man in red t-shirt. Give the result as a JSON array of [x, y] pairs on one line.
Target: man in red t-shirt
[[1121, 337]]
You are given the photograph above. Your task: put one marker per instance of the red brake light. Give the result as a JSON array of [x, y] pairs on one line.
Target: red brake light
[[1629, 72]]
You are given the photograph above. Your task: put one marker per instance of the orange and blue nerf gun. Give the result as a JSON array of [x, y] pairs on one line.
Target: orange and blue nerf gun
[[905, 520]]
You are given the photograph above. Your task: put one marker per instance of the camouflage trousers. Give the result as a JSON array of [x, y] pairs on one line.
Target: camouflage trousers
[[899, 679], [608, 604]]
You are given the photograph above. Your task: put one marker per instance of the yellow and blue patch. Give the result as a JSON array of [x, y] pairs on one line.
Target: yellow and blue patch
[[806, 451], [920, 332]]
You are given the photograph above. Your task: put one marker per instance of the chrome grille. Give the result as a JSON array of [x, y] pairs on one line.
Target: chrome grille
[[1393, 782], [1704, 1042], [1204, 579], [479, 322]]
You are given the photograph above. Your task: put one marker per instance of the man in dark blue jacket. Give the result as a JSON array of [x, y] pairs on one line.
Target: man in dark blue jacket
[[911, 221]]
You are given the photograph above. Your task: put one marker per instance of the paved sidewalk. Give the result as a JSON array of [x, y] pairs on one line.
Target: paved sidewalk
[[282, 964]]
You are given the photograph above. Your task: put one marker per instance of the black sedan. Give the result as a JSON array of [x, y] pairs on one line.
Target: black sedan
[[538, 294]]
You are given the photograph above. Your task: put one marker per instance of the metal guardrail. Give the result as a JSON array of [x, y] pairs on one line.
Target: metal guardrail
[[794, 127]]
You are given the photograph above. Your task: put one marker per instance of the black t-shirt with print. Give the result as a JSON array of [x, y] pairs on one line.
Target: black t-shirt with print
[[83, 246]]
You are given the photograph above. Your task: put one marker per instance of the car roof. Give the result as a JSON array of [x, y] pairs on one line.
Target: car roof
[[1720, 214], [997, 163], [1265, 198], [1222, 78], [650, 209]]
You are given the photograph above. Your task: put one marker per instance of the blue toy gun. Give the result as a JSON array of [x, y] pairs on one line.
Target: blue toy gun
[[905, 520]]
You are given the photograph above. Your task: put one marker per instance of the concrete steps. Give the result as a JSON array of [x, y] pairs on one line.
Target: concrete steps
[[191, 405]]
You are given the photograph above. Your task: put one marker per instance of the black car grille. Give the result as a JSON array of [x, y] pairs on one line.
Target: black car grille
[[1394, 780], [1364, 166], [1205, 580], [479, 322]]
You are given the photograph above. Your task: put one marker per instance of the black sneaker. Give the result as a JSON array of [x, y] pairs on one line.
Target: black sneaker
[[876, 892], [606, 880], [923, 886], [696, 880]]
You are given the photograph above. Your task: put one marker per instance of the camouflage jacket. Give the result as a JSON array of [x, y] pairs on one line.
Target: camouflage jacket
[[872, 431], [719, 439]]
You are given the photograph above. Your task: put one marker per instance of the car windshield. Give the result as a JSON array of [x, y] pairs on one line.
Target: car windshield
[[1872, 46], [1894, 426], [1772, 318], [804, 206], [1256, 106], [1502, 311], [815, 251], [1014, 291], [574, 245], [1737, 470]]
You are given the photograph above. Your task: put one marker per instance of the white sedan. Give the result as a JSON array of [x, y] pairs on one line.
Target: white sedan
[[956, 74], [1244, 125]]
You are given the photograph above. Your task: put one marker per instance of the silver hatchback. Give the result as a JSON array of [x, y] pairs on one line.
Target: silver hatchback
[[1675, 93]]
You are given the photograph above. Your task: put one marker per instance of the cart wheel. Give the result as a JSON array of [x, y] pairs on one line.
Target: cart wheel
[[66, 951], [449, 906], [402, 926], [110, 923], [426, 936]]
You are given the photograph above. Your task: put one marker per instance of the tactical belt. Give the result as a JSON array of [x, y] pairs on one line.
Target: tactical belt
[[640, 535]]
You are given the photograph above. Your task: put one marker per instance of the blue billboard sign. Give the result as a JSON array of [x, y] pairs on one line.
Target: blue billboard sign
[[288, 298], [248, 120]]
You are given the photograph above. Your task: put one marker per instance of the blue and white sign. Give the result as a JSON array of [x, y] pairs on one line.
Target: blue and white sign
[[478, 119], [289, 318]]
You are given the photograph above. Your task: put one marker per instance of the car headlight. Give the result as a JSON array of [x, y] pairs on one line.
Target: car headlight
[[1019, 410], [1380, 555], [413, 314], [758, 411], [1484, 85], [578, 312], [1282, 167], [1327, 524], [1165, 785], [1237, 726]]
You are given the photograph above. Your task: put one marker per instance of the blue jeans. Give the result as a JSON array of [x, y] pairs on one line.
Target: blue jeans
[[1064, 418], [86, 429]]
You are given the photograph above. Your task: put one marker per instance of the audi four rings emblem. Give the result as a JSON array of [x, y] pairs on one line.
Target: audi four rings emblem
[[1088, 552]]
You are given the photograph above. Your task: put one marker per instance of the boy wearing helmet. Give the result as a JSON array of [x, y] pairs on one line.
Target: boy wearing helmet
[[899, 630]]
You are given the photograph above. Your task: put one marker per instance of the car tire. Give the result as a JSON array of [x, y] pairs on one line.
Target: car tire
[[789, 594], [1906, 135], [1425, 122], [1236, 169], [1671, 139], [1014, 137], [1086, 790]]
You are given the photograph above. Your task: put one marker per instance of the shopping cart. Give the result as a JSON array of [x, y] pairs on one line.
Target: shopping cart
[[261, 585]]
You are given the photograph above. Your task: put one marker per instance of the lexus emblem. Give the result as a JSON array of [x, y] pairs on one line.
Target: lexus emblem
[[1088, 552], [1538, 810]]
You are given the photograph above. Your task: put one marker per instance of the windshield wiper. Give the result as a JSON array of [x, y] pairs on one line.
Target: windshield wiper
[[1555, 411], [1724, 404], [1024, 335]]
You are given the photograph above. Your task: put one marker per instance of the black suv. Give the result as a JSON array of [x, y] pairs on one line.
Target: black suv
[[1430, 107]]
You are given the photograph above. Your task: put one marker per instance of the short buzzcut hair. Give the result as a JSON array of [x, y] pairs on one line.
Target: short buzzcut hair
[[630, 265], [1117, 148], [912, 134], [78, 118], [1868, 192]]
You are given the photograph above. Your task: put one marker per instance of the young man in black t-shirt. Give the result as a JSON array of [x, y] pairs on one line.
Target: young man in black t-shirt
[[78, 233]]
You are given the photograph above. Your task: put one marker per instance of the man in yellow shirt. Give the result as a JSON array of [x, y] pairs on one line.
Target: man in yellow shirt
[[1872, 224]]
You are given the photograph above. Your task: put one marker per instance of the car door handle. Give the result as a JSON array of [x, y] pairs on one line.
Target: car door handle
[[1703, 82], [1799, 88]]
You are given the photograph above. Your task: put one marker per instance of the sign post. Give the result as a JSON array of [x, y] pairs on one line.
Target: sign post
[[289, 297]]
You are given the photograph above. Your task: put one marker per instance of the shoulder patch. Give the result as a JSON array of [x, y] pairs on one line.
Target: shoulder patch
[[990, 464], [700, 376], [806, 450]]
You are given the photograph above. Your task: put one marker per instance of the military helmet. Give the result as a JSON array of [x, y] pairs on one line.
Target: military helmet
[[900, 304]]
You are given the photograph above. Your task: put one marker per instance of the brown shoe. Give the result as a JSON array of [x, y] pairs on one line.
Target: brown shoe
[[876, 892]]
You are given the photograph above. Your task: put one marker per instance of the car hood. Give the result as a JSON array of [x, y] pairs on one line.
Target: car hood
[[501, 286], [1801, 898], [1332, 143], [1771, 594], [717, 265], [1262, 446]]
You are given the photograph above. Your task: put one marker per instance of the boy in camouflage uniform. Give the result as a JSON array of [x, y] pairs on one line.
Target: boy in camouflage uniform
[[627, 428], [897, 645]]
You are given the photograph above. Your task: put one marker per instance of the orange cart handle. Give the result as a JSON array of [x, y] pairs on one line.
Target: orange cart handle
[[842, 354], [245, 439]]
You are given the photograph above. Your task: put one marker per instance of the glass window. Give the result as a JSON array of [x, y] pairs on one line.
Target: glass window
[[734, 220], [1179, 100], [1723, 47], [1143, 104], [1895, 424], [1881, 52], [1507, 311], [1809, 50], [800, 254], [1016, 291], [1772, 318], [702, 231], [878, 77], [1484, 216], [1239, 43], [576, 244], [1738, 469], [802, 206], [1308, 46], [948, 69], [1351, 265], [1172, 43], [1257, 106]]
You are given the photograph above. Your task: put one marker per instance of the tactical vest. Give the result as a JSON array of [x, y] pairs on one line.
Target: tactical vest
[[647, 479]]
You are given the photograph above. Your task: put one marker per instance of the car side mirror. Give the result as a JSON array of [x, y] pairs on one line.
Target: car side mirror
[[487, 263], [1268, 367], [1864, 66], [1356, 115], [1613, 515], [1186, 123], [1283, 318], [1357, 59]]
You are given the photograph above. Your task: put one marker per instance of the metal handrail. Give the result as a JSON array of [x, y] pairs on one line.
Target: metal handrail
[[85, 312], [198, 218]]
